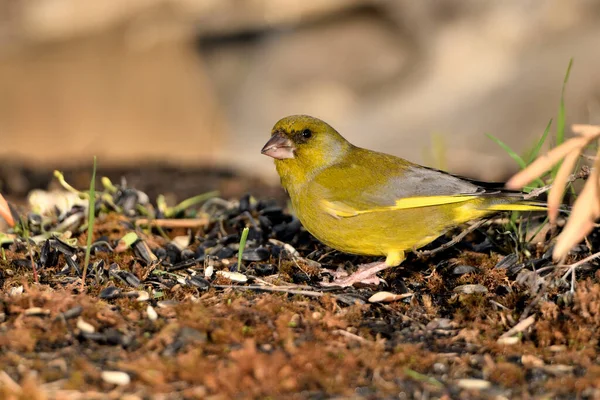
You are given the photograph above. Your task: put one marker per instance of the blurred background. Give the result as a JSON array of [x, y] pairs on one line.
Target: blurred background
[[180, 95]]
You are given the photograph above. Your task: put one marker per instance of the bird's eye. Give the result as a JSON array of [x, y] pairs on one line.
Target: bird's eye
[[306, 133]]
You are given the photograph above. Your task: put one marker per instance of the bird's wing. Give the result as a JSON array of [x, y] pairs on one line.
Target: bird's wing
[[387, 183]]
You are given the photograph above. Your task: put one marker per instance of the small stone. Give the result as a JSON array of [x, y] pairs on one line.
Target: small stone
[[267, 347], [181, 242], [294, 321], [557, 348], [60, 364], [559, 369], [474, 384], [110, 293], [258, 254], [510, 340], [441, 323], [133, 397], [36, 311], [85, 326], [167, 303], [152, 314], [72, 312], [440, 368], [143, 295], [116, 377], [188, 254], [14, 291], [265, 269], [531, 361], [470, 289], [196, 392], [199, 282], [463, 269], [225, 252], [233, 276], [291, 250]]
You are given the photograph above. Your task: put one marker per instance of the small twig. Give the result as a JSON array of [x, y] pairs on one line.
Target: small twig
[[351, 335], [571, 269], [262, 281], [519, 327], [299, 267], [544, 269], [33, 265], [582, 261], [499, 305], [455, 240], [538, 297], [582, 174], [173, 223], [309, 293]]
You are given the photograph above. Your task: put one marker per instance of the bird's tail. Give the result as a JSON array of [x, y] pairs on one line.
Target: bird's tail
[[523, 205]]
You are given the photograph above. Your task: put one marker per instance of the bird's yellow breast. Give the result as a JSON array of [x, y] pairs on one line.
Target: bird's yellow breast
[[377, 233]]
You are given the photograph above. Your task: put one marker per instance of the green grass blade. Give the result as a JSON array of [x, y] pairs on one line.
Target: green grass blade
[[518, 159], [536, 150], [187, 203], [538, 230], [91, 219], [560, 120], [242, 245], [423, 378]]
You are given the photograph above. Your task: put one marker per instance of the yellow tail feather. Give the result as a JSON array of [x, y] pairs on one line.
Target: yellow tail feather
[[517, 207]]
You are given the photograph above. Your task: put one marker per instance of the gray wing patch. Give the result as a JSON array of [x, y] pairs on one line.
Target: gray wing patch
[[430, 182], [419, 181]]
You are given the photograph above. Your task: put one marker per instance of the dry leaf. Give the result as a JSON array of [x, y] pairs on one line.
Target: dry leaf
[[559, 185], [591, 131], [545, 162], [581, 220], [387, 297], [586, 208], [5, 212]]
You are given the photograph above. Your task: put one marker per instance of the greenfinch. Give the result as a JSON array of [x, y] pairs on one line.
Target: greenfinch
[[365, 202]]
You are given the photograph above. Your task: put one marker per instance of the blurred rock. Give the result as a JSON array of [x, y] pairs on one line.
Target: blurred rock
[[423, 71], [121, 79], [62, 103], [203, 81], [57, 20], [265, 78]]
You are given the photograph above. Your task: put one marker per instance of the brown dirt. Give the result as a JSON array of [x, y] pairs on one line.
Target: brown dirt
[[239, 340]]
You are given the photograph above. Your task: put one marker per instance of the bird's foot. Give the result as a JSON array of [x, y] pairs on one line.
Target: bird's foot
[[364, 274]]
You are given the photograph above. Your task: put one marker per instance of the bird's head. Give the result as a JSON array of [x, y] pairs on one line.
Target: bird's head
[[302, 145]]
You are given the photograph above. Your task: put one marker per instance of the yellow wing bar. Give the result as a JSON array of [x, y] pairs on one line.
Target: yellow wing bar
[[339, 209]]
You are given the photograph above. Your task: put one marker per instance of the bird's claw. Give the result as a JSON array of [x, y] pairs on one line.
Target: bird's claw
[[365, 274]]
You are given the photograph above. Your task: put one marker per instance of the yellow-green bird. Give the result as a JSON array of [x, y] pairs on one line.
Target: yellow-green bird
[[365, 202]]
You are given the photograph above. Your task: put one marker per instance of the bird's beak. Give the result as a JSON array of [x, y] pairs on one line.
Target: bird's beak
[[279, 147]]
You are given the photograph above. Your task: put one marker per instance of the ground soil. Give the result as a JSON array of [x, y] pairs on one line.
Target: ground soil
[[473, 321]]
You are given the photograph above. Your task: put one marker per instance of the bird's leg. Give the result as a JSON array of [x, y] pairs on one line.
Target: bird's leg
[[366, 272]]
